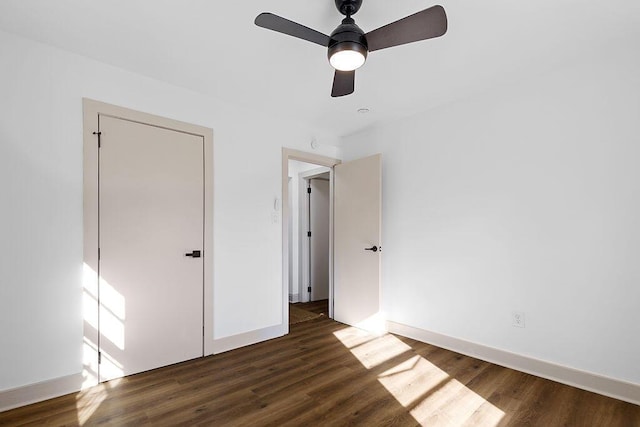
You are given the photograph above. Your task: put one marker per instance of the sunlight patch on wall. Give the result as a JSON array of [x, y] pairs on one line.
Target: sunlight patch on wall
[[89, 282], [89, 305], [112, 299], [112, 314], [110, 367], [104, 311], [89, 364], [375, 324]]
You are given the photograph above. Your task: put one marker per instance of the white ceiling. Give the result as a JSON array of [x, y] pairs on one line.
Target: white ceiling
[[213, 47]]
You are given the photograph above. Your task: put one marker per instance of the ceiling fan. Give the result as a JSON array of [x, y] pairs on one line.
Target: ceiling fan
[[348, 45]]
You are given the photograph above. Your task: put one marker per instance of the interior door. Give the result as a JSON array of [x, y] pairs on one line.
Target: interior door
[[319, 241], [357, 240], [150, 216]]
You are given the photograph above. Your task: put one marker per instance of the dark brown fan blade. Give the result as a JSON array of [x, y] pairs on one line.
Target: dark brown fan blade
[[423, 25], [282, 25], [343, 83]]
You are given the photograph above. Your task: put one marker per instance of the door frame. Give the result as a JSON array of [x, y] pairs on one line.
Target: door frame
[[316, 159], [92, 110]]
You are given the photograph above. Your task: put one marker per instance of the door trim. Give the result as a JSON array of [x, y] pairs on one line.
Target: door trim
[[316, 159], [92, 109]]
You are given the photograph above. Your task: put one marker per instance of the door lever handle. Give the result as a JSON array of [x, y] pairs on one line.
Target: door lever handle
[[194, 254], [372, 248]]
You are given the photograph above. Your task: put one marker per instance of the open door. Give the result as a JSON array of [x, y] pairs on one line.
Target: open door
[[357, 240]]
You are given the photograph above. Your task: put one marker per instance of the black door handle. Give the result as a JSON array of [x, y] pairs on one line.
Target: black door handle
[[194, 254], [372, 248]]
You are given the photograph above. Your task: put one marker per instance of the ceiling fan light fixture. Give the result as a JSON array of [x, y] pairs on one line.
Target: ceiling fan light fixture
[[347, 56], [349, 46]]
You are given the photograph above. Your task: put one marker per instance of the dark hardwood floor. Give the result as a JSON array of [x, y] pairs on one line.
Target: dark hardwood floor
[[318, 307], [323, 374]]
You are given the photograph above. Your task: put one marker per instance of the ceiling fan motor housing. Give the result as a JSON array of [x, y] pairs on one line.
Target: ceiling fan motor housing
[[348, 7], [348, 36]]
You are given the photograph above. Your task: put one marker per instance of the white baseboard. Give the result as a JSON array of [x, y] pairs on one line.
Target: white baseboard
[[294, 298], [32, 393], [629, 392], [222, 345]]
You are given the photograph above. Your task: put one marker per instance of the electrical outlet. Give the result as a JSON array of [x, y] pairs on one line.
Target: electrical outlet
[[517, 319]]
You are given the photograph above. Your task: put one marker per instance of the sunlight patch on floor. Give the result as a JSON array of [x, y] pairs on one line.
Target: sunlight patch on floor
[[431, 396], [88, 401], [380, 350], [351, 337], [455, 404], [411, 379]]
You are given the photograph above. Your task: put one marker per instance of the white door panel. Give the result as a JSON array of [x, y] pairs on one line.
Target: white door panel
[[357, 217], [151, 215]]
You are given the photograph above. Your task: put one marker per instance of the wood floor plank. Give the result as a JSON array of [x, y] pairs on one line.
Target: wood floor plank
[[326, 373], [318, 307]]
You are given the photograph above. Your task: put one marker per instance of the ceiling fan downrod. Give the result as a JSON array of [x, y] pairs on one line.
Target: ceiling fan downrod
[[348, 7]]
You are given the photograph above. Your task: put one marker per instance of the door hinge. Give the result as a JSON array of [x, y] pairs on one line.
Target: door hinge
[[309, 289], [309, 190], [308, 234], [99, 357], [98, 254], [99, 142]]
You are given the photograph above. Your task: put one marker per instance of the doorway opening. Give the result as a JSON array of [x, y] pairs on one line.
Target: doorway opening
[[309, 201], [309, 231], [355, 228], [307, 236]]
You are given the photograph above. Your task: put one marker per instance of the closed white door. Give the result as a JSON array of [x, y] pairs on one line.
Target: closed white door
[[319, 243], [357, 240], [150, 216]]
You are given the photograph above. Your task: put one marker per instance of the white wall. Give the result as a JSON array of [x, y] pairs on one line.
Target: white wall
[[523, 198], [41, 195]]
